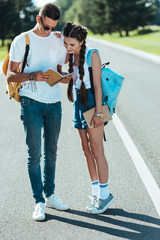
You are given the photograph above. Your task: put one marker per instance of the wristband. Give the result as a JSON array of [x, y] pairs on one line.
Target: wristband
[[99, 114], [31, 76]]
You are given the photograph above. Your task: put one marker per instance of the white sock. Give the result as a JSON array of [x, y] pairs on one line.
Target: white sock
[[104, 193], [95, 188]]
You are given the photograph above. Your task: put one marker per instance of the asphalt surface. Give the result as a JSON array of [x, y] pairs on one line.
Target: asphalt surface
[[132, 215]]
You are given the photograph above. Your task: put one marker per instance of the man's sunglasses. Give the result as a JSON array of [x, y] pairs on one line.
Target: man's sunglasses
[[47, 28]]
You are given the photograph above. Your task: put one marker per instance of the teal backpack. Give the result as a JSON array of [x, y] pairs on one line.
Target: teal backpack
[[111, 83]]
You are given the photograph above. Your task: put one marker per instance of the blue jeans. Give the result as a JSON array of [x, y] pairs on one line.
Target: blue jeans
[[35, 116]]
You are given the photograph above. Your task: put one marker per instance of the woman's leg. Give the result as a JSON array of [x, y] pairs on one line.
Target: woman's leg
[[96, 143], [88, 154], [91, 167]]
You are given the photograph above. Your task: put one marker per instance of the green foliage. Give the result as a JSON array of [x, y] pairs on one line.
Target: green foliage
[[73, 13], [94, 15], [15, 17], [101, 16], [156, 19], [64, 5], [128, 15]]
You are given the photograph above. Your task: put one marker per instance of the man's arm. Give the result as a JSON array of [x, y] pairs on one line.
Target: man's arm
[[14, 76]]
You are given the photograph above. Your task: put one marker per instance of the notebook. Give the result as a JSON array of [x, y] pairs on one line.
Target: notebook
[[55, 77], [89, 114]]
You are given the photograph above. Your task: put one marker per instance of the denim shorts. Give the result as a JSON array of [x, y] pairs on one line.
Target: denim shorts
[[78, 120]]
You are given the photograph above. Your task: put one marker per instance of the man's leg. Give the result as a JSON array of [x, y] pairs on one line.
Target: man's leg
[[52, 125], [31, 114]]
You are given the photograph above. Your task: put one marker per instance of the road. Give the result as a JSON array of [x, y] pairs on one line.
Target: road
[[133, 214]]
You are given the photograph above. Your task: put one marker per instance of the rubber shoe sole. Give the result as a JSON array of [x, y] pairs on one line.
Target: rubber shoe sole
[[55, 203], [64, 208], [40, 218]]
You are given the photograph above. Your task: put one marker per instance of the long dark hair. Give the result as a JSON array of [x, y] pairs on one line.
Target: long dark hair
[[80, 33]]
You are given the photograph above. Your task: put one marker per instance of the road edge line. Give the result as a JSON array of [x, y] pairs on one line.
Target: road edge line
[[146, 176]]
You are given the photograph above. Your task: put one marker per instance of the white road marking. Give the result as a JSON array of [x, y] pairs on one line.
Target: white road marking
[[146, 176]]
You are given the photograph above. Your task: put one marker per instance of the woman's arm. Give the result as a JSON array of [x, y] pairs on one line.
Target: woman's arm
[[96, 71]]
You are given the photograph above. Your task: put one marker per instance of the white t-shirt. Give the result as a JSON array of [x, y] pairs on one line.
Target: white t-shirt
[[44, 53]]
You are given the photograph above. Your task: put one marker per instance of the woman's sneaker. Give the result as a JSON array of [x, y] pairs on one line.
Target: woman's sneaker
[[93, 203], [55, 202], [102, 205], [39, 212]]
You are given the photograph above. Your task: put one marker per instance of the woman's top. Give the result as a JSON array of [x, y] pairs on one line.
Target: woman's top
[[76, 77]]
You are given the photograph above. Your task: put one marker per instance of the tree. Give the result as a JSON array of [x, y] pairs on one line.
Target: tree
[[72, 14], [7, 18], [94, 15], [127, 15], [16, 17], [64, 5], [102, 16], [156, 20]]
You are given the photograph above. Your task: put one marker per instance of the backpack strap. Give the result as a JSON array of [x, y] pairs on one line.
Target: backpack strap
[[26, 51], [89, 56], [89, 63]]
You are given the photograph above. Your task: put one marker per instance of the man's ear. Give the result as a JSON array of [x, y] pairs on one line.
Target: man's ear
[[38, 18]]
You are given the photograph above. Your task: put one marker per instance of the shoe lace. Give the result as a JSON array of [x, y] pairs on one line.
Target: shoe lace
[[98, 203], [58, 199], [93, 200], [39, 207]]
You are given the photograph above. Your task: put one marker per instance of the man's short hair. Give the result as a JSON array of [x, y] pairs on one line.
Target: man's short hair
[[51, 11]]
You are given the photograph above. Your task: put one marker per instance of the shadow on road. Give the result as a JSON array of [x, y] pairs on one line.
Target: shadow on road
[[136, 231]]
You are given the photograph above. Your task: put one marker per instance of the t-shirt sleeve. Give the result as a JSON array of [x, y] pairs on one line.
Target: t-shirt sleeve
[[17, 49], [62, 53]]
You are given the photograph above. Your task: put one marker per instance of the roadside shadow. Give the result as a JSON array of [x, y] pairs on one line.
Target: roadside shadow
[[133, 231]]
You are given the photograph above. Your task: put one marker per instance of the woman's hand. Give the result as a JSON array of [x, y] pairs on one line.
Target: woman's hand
[[96, 121], [66, 79], [58, 34]]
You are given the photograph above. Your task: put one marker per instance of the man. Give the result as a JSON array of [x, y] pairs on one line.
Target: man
[[40, 103]]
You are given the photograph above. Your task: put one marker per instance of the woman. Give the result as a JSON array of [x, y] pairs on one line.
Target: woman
[[79, 92]]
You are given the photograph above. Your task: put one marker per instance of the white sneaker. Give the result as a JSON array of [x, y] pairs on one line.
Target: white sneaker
[[39, 212], [55, 202]]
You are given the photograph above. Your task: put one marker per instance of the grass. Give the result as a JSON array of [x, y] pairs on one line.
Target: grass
[[149, 42], [3, 50]]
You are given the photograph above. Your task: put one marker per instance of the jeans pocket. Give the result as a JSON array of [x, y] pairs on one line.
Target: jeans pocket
[[25, 101]]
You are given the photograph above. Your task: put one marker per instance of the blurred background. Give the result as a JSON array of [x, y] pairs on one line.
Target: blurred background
[[134, 23]]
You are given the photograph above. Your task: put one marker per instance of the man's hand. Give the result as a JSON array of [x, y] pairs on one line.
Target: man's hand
[[41, 76]]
